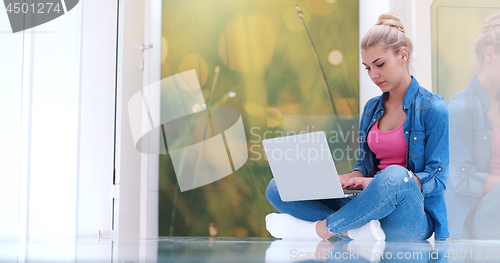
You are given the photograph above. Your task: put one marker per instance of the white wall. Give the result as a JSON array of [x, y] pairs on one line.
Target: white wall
[[369, 11], [41, 83], [57, 124], [54, 81], [97, 117], [57, 117], [11, 50], [416, 16]]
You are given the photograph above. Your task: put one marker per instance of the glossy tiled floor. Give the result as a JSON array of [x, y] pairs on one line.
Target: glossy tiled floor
[[201, 249]]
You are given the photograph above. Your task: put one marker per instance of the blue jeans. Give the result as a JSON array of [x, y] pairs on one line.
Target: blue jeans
[[393, 197], [482, 223]]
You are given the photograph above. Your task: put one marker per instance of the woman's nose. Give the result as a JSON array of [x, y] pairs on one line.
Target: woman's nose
[[374, 74]]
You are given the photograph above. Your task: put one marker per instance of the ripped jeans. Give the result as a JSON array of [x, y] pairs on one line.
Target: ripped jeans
[[393, 197]]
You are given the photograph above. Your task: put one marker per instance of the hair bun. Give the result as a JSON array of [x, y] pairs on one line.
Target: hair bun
[[491, 22], [391, 20]]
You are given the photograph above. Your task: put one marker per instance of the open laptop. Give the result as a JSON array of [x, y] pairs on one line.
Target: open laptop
[[303, 167]]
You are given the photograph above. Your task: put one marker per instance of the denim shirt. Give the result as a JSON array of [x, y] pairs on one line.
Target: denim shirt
[[426, 134], [471, 132]]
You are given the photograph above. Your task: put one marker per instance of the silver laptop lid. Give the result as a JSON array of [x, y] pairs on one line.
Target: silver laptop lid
[[303, 167]]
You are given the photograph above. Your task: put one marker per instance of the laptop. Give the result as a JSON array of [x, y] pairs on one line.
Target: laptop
[[303, 167]]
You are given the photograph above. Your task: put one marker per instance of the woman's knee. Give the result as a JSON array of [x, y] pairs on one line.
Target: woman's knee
[[393, 175], [396, 170], [272, 193]]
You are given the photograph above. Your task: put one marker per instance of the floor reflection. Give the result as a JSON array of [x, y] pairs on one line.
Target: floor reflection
[[205, 249]]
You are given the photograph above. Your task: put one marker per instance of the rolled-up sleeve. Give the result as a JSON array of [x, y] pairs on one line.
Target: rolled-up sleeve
[[435, 175], [465, 177]]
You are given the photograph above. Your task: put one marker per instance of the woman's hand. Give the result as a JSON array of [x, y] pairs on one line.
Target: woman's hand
[[350, 175], [356, 183], [490, 182], [354, 180], [418, 182]]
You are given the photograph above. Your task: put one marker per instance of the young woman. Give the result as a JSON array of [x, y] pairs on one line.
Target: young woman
[[403, 167], [473, 195]]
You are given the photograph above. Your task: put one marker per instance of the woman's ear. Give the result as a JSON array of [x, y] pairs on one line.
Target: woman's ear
[[403, 54], [489, 53]]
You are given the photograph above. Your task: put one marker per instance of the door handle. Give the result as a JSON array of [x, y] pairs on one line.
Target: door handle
[[144, 46]]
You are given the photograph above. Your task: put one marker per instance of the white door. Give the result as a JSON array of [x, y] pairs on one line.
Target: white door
[[136, 174], [135, 201]]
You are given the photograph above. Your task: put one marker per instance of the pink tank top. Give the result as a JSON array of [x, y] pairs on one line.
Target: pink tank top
[[495, 152], [389, 147]]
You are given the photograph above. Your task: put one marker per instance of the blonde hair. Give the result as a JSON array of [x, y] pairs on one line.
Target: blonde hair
[[490, 37], [389, 32]]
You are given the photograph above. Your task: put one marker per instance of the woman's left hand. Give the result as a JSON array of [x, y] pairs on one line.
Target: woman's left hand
[[418, 182], [356, 183]]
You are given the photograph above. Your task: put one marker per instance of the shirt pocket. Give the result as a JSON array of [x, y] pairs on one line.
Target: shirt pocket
[[417, 145]]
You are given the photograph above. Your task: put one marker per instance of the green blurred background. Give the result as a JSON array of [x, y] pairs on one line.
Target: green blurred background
[[255, 56]]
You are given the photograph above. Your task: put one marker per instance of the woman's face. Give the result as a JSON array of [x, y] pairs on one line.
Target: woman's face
[[385, 68], [492, 67]]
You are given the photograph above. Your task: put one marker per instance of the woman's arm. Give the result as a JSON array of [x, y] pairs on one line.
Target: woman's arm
[[351, 175], [465, 177], [490, 182], [436, 152]]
